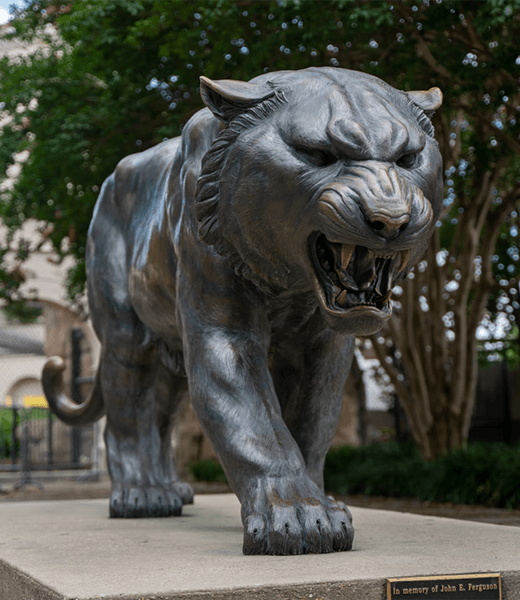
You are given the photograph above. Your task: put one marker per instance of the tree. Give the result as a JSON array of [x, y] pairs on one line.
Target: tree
[[430, 350], [123, 74]]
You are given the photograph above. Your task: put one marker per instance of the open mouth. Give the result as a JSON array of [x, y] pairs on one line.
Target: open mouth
[[355, 277]]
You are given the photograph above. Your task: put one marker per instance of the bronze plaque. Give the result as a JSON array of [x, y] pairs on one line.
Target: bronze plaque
[[477, 586]]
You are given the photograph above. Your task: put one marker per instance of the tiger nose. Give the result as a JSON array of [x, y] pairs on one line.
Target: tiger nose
[[388, 226]]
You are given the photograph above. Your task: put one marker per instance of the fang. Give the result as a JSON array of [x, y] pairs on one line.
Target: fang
[[347, 250], [405, 257], [386, 297]]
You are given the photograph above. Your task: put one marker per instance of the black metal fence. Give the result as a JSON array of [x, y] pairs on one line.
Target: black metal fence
[[34, 438]]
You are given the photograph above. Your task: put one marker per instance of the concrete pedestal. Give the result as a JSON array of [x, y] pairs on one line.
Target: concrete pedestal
[[71, 549]]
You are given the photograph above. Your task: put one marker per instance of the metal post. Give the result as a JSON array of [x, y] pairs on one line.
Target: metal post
[[14, 434], [397, 418], [75, 391], [507, 424], [50, 448], [26, 478]]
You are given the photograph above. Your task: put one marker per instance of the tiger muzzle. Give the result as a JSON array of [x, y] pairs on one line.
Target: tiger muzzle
[[372, 218]]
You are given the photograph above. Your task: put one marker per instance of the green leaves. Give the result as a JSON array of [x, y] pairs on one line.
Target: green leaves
[[481, 473], [123, 74]]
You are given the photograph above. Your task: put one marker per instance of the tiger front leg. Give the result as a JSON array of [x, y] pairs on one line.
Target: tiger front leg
[[283, 510]]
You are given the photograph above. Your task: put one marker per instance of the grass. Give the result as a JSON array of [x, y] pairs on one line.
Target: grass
[[483, 473]]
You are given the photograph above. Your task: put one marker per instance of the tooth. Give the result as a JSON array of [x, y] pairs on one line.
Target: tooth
[[388, 275], [377, 288], [379, 281], [405, 257], [341, 298], [346, 254], [386, 297]]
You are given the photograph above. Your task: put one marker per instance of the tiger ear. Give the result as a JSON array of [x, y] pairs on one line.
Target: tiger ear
[[428, 101], [227, 98]]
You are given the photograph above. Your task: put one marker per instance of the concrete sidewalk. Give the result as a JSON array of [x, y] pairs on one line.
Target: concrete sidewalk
[[71, 549]]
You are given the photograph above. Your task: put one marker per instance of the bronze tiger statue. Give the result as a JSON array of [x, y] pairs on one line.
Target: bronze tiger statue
[[238, 261]]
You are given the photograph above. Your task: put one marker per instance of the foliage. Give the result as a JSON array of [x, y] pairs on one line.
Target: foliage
[[6, 428], [480, 474], [209, 470], [506, 347], [380, 469], [78, 128], [123, 74], [22, 311], [483, 473], [7, 421]]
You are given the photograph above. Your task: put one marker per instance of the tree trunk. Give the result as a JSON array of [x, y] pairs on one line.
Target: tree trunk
[[434, 368], [440, 306]]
